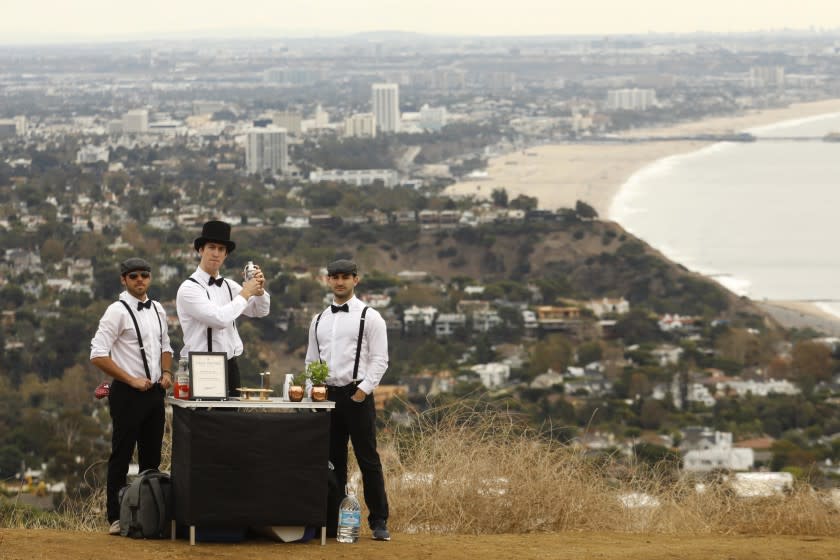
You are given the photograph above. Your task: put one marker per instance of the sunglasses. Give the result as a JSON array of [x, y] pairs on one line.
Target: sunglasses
[[134, 275]]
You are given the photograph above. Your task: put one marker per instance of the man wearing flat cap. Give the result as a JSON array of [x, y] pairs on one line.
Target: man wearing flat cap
[[208, 304], [350, 338], [131, 345]]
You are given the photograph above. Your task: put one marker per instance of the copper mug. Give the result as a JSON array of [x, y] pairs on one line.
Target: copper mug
[[319, 393], [295, 393]]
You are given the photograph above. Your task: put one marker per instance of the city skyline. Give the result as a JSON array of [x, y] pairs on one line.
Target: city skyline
[[96, 20]]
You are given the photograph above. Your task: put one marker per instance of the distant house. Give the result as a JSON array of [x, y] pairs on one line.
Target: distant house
[[674, 322], [742, 388], [419, 319], [552, 318], [667, 354], [547, 380], [487, 320], [447, 323], [720, 455], [616, 306], [493, 375], [762, 448]]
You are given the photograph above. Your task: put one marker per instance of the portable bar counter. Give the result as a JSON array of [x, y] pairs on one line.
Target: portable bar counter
[[250, 462]]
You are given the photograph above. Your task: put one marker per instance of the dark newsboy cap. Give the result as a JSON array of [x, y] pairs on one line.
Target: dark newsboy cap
[[132, 264], [342, 266]]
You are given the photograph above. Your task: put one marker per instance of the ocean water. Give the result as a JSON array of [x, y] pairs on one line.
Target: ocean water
[[761, 218]]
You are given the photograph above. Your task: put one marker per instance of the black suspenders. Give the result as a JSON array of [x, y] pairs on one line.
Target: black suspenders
[[209, 330], [358, 340], [140, 338]]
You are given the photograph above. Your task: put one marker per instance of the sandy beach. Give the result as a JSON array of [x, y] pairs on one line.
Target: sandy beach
[[559, 175]]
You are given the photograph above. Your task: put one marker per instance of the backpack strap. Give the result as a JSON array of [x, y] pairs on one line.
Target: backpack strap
[[140, 338], [160, 503], [209, 330], [359, 343]]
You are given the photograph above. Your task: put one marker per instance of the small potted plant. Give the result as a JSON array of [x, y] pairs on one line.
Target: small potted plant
[[296, 390], [317, 372]]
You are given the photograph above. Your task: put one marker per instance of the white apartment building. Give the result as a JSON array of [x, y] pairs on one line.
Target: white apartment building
[[92, 154], [386, 106], [360, 125], [631, 99], [357, 177], [267, 150], [136, 121]]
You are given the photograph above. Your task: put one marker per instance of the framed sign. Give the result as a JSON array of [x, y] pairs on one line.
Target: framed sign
[[208, 376]]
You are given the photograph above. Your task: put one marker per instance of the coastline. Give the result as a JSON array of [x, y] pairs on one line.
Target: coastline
[[560, 174]]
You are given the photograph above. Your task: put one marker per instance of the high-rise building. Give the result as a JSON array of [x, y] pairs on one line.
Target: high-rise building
[[267, 150], [767, 77], [360, 125], [386, 107], [136, 121]]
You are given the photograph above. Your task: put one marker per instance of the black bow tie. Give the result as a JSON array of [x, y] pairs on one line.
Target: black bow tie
[[141, 306], [217, 281], [337, 308]]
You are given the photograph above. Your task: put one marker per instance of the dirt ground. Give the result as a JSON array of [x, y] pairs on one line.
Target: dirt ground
[[19, 544]]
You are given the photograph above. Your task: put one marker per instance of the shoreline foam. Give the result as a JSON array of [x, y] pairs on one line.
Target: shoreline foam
[[560, 174]]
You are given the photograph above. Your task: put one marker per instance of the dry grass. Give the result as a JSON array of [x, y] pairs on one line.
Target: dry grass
[[477, 471], [470, 469]]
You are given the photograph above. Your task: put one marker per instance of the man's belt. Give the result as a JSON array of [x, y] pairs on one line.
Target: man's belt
[[344, 389]]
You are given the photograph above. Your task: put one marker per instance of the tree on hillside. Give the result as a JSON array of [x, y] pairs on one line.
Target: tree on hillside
[[810, 362], [500, 197], [585, 211]]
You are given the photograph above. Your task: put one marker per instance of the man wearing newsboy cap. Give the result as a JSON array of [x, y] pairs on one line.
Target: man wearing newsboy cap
[[350, 338], [208, 304], [131, 345]]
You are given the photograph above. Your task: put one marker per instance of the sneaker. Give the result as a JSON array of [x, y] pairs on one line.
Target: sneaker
[[380, 532], [114, 529]]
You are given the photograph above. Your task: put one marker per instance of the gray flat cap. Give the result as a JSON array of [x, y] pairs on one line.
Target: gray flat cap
[[132, 264], [342, 266]]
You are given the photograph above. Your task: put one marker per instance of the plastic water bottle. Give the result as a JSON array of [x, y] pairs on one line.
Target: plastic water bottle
[[349, 518]]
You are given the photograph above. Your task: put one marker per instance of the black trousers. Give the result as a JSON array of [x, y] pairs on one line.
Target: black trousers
[[138, 419], [234, 378], [356, 422]]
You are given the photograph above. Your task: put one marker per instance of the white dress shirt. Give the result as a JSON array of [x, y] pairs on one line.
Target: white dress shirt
[[196, 312], [117, 338], [338, 335]]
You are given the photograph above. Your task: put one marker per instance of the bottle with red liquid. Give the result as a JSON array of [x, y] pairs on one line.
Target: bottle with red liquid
[[182, 379]]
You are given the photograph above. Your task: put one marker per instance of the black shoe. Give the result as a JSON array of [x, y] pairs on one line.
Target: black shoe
[[380, 532]]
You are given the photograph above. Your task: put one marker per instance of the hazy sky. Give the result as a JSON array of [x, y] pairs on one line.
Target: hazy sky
[[36, 20]]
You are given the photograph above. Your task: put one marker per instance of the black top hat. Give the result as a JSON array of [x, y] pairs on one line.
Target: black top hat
[[216, 232], [132, 264], [342, 266]]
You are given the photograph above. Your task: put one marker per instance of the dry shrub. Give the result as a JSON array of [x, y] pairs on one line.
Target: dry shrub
[[469, 468]]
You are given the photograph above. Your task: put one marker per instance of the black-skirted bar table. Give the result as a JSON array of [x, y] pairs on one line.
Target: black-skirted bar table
[[239, 468]]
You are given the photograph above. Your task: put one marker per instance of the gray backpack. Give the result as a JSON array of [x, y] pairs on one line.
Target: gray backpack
[[146, 506]]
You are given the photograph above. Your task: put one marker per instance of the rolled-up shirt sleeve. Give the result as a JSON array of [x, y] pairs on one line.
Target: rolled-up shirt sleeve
[[106, 334]]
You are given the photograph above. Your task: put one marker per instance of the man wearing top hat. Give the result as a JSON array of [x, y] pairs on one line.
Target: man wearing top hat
[[131, 345], [351, 339], [209, 304]]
